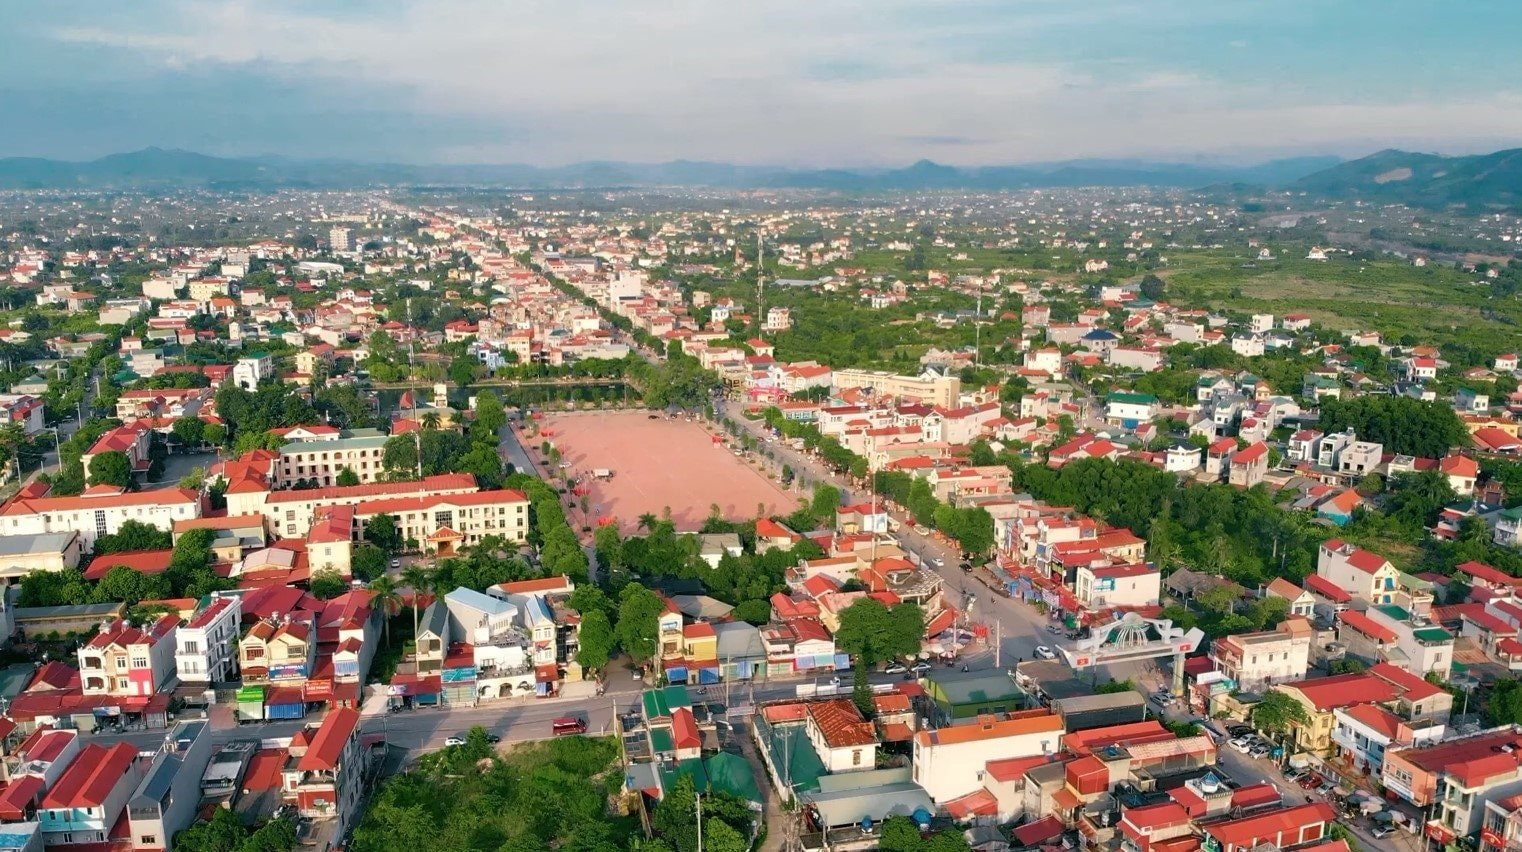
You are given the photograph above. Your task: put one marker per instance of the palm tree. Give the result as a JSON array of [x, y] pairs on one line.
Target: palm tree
[[420, 579], [385, 597], [431, 420], [647, 521]]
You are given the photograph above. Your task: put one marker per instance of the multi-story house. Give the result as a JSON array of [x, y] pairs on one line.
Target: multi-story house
[[1369, 577], [1138, 584], [206, 646], [1362, 733], [1248, 466], [88, 799], [950, 761], [128, 661], [325, 774], [279, 650], [1397, 690], [1397, 636], [1255, 661], [443, 524], [1501, 825], [1415, 773], [166, 800]]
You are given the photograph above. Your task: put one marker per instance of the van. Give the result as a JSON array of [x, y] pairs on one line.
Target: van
[[568, 725]]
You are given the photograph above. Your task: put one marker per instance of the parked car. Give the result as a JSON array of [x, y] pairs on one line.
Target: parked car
[[1054, 629], [1294, 775], [1045, 653], [396, 563], [454, 740], [1310, 781], [493, 739], [1326, 788], [1241, 744], [1260, 751], [920, 667], [896, 668], [1239, 730], [1380, 832]]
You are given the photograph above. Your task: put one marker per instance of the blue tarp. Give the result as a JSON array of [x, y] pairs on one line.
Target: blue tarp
[[285, 711], [676, 674], [708, 675]]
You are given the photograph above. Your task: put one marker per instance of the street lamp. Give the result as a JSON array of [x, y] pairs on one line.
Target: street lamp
[[57, 446]]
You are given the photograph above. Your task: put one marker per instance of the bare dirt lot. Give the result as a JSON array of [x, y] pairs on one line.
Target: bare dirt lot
[[659, 463]]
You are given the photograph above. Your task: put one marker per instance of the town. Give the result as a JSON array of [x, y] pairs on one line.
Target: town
[[866, 524]]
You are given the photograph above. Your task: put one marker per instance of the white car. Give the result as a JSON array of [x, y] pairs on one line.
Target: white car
[[1045, 653], [896, 668], [455, 740], [920, 667]]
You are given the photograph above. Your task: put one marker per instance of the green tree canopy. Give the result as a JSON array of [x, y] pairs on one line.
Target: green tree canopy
[[111, 468]]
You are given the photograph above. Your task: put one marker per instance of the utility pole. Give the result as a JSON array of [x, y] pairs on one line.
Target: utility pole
[[697, 802], [998, 643]]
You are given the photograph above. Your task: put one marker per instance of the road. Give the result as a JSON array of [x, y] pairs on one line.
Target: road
[[514, 720]]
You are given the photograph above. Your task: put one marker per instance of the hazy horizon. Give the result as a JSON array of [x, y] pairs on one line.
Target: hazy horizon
[[786, 83]]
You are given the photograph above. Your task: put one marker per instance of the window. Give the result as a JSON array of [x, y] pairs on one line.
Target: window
[[856, 757], [140, 662], [100, 522], [192, 648]]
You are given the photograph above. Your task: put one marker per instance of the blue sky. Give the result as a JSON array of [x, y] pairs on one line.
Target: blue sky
[[795, 82]]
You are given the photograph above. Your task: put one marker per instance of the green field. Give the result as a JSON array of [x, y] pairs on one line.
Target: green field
[[1432, 304]]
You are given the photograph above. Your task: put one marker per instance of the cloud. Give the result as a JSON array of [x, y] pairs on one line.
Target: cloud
[[780, 81]]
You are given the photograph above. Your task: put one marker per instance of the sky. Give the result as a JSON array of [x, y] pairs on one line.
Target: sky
[[777, 82]]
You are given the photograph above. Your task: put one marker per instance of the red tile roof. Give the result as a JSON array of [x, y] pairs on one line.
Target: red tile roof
[[1285, 824], [328, 745], [141, 561], [1366, 625], [1326, 693], [92, 776]]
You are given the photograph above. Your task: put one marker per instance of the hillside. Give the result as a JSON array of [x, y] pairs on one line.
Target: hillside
[[1425, 180], [157, 168]]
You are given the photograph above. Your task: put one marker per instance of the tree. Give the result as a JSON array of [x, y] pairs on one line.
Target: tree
[[214, 434], [111, 468], [421, 580], [129, 586], [368, 562], [346, 477], [385, 597], [900, 834], [596, 639], [756, 612], [189, 431], [326, 585], [639, 612], [381, 531], [1278, 713], [222, 833], [873, 633], [1220, 599], [133, 535]]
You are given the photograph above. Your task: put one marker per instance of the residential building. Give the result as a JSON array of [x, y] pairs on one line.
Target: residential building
[[166, 800], [1248, 466], [1421, 703], [1255, 661], [844, 740], [325, 775], [1301, 602], [1129, 410], [206, 646], [1128, 586], [277, 649], [949, 762], [126, 660], [83, 806], [1363, 733], [1414, 773], [1367, 576]]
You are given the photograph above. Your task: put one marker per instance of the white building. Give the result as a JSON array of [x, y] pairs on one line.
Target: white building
[[950, 762], [101, 510], [206, 646]]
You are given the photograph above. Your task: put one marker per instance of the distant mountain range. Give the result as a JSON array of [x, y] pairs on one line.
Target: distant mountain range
[[1419, 179], [160, 168], [1425, 180]]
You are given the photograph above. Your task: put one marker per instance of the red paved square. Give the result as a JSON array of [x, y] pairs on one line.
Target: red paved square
[[659, 463]]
